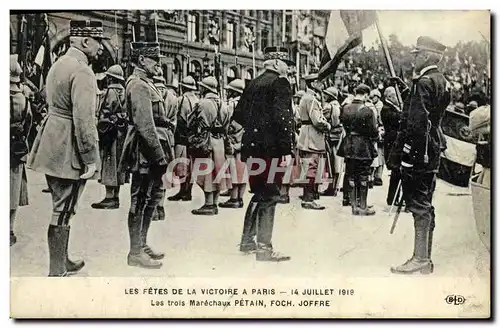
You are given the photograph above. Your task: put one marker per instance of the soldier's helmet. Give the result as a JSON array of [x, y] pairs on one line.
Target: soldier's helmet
[[188, 83], [237, 85], [374, 93], [209, 83], [299, 94], [332, 91], [115, 71], [15, 70], [174, 84]]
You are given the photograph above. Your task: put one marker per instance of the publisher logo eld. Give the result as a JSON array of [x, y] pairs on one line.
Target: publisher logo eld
[[455, 299]]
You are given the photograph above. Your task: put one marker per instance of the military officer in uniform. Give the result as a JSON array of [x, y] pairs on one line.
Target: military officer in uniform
[[264, 112], [333, 137], [186, 104], [233, 148], [311, 142], [66, 148], [146, 152], [20, 124], [419, 146], [112, 126], [358, 149]]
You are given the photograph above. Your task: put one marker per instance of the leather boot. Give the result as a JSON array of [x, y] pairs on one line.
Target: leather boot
[[56, 238], [363, 208], [159, 214], [247, 243], [266, 253], [137, 256], [107, 204], [206, 210], [146, 223], [231, 203], [420, 261], [308, 199], [316, 192], [346, 192], [71, 266], [353, 193], [184, 193]]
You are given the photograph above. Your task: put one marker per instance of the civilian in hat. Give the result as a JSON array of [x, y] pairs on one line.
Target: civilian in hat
[[112, 126], [209, 127], [358, 148], [418, 152], [264, 112], [333, 137], [311, 143], [20, 123], [146, 151], [233, 148], [186, 104], [66, 148], [169, 121]]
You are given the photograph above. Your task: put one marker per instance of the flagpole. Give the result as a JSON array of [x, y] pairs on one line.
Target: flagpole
[[388, 58]]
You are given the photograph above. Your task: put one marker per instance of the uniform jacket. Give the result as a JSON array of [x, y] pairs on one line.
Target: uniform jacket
[[214, 115], [171, 109], [361, 132], [264, 111], [145, 106], [391, 116], [68, 138], [426, 103], [235, 130], [313, 124], [186, 103], [20, 121]]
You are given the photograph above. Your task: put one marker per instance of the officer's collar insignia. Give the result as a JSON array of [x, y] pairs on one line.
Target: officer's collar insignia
[[424, 70]]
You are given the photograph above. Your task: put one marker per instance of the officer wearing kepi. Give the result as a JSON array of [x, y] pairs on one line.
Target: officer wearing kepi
[[66, 148], [419, 145], [145, 151]]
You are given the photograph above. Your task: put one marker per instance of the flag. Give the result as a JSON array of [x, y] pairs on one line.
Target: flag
[[344, 32], [457, 161]]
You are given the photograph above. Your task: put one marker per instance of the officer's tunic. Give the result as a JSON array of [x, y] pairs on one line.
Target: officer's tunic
[[311, 142], [68, 139], [334, 136], [114, 103], [170, 119], [234, 136], [186, 104], [214, 116], [20, 115]]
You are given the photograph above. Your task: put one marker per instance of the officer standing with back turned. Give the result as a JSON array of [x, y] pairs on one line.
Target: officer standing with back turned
[[419, 145]]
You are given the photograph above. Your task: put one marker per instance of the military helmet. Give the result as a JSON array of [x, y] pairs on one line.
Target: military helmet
[[237, 85], [15, 70], [115, 71], [209, 83], [374, 93], [174, 84], [188, 82], [332, 91], [299, 94]]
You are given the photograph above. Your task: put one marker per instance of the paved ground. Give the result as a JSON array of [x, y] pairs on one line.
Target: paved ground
[[321, 243]]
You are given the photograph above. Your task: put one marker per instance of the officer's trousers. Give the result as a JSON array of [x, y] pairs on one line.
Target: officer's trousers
[[418, 192], [65, 195], [146, 193]]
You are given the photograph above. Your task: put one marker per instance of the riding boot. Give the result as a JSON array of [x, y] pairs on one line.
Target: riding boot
[[420, 261], [247, 243], [136, 255], [353, 193], [56, 238], [71, 266], [346, 192], [146, 223], [364, 209], [309, 197]]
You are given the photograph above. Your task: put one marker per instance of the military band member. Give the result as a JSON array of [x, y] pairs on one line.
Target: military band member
[[422, 143], [264, 112], [186, 104], [311, 142], [358, 149], [333, 137], [233, 147], [146, 152], [66, 148], [210, 125], [20, 124], [112, 126]]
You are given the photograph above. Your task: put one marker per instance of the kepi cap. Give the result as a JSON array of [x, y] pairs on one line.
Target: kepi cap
[[426, 43], [280, 53], [87, 28], [146, 49]]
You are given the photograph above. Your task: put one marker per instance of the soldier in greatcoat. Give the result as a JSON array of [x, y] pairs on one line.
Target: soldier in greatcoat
[[333, 137], [264, 112], [186, 104], [112, 127], [146, 151], [233, 148], [20, 124], [358, 148], [209, 126], [311, 142], [66, 148], [419, 146]]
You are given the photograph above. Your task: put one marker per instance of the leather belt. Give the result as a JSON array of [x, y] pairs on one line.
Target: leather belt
[[59, 112], [306, 122]]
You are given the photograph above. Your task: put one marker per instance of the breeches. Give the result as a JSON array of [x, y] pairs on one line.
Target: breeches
[[357, 170], [418, 192], [146, 192], [65, 195]]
